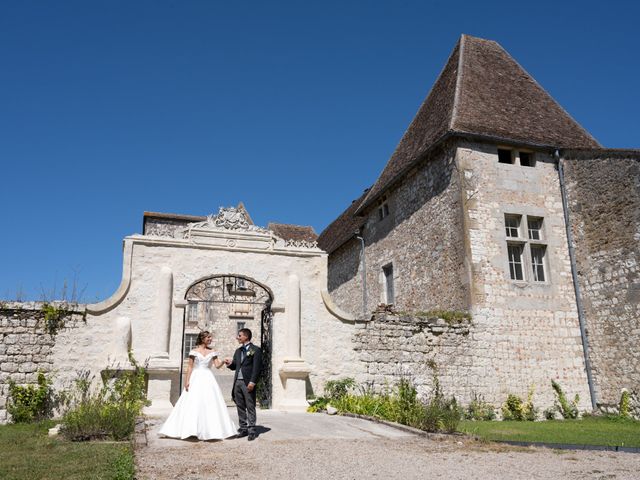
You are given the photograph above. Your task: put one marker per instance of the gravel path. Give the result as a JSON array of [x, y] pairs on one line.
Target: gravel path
[[317, 446]]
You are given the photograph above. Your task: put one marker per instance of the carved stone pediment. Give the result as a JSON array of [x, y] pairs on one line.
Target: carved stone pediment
[[227, 219]]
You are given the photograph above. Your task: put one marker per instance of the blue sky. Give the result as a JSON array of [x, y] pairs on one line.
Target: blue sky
[[113, 108]]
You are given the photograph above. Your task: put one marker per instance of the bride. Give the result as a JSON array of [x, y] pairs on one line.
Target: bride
[[201, 410]]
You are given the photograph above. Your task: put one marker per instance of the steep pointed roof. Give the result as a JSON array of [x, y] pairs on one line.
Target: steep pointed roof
[[482, 91]]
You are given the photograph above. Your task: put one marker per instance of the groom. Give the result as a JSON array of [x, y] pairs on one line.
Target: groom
[[247, 362]]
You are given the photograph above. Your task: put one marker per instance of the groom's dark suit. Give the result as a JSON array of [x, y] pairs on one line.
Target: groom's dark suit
[[247, 363]]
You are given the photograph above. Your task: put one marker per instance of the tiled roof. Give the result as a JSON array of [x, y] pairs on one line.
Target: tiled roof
[[482, 91], [293, 232], [342, 228]]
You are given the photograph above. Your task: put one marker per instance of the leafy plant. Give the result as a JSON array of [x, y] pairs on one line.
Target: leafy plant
[[109, 412], [478, 409], [31, 403], [549, 413], [516, 409], [563, 406], [625, 403], [335, 389], [54, 317]]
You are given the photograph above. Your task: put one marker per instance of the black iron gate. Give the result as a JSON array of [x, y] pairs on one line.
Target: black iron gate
[[241, 291], [264, 393]]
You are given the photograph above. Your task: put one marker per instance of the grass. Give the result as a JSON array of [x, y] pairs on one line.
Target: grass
[[587, 431], [27, 452]]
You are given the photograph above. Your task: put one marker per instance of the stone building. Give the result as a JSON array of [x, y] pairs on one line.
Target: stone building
[[470, 214]]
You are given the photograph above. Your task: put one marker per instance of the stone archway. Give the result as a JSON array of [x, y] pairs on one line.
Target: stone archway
[[223, 304]]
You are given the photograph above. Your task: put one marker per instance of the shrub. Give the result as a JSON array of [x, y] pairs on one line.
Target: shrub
[[478, 409], [549, 413], [31, 403], [335, 389], [398, 404], [567, 409], [625, 403], [441, 415], [109, 412], [515, 409]]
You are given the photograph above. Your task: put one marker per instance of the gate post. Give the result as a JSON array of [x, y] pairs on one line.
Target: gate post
[[295, 371]]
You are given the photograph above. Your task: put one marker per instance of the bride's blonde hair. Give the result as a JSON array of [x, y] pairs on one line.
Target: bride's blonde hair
[[201, 336]]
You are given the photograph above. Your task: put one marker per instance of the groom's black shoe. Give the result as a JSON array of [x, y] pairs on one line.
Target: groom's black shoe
[[242, 433], [252, 436]]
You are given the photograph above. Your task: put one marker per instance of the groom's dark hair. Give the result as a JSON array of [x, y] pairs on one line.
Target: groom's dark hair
[[247, 332]]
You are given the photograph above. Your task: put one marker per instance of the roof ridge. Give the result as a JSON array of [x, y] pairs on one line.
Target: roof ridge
[[456, 95], [547, 93]]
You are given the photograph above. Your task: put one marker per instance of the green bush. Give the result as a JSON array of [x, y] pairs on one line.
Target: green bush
[[335, 389], [515, 409], [568, 410], [106, 413], [398, 404], [31, 403], [478, 409], [441, 415]]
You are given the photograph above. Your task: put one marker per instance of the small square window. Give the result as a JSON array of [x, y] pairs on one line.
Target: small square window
[[505, 156], [534, 225], [512, 225], [526, 159], [240, 326], [537, 262], [515, 261]]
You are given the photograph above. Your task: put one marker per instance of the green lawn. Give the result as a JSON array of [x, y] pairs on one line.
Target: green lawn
[[588, 431], [27, 452]]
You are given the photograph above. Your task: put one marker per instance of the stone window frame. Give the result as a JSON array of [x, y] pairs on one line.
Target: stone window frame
[[386, 285], [383, 208], [531, 269]]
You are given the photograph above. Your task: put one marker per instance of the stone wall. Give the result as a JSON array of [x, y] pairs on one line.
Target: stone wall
[[526, 332], [25, 346], [392, 347], [603, 189], [422, 237]]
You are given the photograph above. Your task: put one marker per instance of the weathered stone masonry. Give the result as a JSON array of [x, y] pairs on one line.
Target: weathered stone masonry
[[402, 346], [424, 226], [25, 346], [603, 189]]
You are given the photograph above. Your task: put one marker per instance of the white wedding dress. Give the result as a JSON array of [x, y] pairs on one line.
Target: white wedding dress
[[200, 412]]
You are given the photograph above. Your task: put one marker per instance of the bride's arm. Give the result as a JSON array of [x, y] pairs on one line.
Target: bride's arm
[[189, 369], [217, 362]]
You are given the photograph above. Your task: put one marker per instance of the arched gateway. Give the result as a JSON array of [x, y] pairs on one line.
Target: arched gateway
[[222, 305], [220, 272]]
